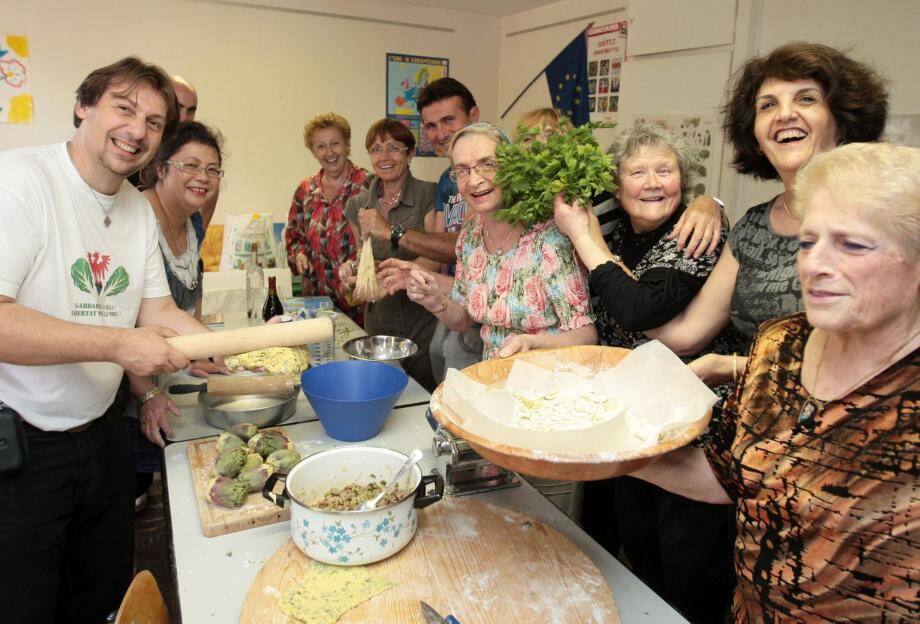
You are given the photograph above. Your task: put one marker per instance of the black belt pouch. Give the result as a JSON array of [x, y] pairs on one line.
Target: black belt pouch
[[14, 451]]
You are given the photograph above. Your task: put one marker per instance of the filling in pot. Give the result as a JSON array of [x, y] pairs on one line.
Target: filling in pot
[[350, 497]]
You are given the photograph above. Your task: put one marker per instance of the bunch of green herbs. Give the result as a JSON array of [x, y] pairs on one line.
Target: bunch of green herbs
[[531, 172]]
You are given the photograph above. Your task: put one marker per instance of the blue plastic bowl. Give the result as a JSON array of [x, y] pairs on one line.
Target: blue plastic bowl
[[353, 398]]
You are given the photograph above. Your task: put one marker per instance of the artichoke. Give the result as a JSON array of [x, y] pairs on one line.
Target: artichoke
[[267, 442], [227, 441], [254, 478], [253, 459], [283, 460], [244, 431], [230, 463], [226, 492]]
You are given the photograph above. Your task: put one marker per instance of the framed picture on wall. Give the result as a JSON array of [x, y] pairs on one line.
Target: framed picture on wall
[[407, 75]]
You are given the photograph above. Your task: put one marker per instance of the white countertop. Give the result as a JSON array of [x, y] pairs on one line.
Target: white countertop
[[192, 424], [214, 574]]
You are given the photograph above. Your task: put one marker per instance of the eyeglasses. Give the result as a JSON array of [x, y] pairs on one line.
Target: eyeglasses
[[194, 169], [389, 148], [485, 169]]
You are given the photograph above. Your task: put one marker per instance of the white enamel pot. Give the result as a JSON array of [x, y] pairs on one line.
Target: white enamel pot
[[352, 537]]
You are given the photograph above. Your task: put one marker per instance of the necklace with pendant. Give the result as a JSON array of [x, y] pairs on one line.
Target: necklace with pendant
[[107, 221], [498, 248], [813, 405]]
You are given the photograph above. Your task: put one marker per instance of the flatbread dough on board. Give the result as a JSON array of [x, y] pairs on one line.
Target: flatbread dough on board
[[325, 592]]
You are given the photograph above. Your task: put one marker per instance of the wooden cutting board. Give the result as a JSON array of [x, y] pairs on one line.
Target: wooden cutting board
[[217, 520], [481, 563]]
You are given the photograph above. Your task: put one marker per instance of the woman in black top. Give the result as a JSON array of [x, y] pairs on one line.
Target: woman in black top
[[681, 548]]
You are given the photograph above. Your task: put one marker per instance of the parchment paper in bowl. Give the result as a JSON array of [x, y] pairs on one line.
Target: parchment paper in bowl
[[656, 394]]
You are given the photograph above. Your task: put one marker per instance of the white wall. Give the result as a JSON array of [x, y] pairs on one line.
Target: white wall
[[682, 54], [260, 73]]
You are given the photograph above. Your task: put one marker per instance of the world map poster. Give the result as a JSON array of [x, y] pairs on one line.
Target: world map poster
[[407, 75]]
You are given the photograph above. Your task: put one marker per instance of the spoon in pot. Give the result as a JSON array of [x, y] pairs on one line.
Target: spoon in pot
[[414, 458]]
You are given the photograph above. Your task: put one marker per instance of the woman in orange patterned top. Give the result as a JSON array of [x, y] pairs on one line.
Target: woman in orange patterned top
[[818, 448]]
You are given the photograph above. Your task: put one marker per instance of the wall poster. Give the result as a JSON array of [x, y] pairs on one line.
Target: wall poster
[[704, 138], [606, 54], [407, 75], [15, 90]]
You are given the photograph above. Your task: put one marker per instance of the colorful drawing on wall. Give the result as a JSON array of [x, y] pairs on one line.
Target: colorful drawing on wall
[[15, 89], [606, 53], [703, 137], [407, 75]]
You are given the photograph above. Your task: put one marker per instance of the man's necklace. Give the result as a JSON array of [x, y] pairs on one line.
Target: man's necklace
[[107, 221]]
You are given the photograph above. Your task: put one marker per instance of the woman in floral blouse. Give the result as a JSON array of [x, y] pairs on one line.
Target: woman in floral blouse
[[318, 238], [523, 284]]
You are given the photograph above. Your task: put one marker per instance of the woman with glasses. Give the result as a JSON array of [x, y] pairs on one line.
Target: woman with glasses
[[395, 203], [523, 284], [681, 548], [317, 238], [184, 177]]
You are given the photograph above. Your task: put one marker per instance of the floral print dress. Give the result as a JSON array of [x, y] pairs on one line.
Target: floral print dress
[[537, 287], [318, 229]]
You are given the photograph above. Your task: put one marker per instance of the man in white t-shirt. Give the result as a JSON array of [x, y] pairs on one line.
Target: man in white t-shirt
[[83, 297]]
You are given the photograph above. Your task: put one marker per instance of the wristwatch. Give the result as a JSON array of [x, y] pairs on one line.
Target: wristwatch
[[397, 231]]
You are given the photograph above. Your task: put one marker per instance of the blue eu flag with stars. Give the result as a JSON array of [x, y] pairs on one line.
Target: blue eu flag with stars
[[568, 81]]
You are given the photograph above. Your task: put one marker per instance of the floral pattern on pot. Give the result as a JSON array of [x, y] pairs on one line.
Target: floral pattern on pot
[[342, 541]]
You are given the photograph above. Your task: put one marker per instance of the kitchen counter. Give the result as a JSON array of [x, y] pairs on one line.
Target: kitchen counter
[[214, 574]]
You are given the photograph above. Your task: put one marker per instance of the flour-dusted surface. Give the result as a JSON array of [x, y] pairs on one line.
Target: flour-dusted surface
[[482, 563], [217, 520]]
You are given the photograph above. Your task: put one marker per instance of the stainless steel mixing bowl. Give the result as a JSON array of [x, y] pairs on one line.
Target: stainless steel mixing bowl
[[380, 348], [262, 410]]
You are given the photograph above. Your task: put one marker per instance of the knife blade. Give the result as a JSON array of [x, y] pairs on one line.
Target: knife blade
[[433, 617]]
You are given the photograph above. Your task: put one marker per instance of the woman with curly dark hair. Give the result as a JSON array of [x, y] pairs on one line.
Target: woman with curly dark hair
[[800, 100]]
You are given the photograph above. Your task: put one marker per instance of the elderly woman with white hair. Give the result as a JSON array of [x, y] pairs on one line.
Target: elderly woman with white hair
[[680, 547], [818, 447], [522, 283]]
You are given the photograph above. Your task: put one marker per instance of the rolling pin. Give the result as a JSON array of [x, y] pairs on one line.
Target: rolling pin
[[295, 333]]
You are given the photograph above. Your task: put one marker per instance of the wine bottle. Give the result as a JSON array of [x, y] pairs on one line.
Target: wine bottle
[[272, 305], [254, 280]]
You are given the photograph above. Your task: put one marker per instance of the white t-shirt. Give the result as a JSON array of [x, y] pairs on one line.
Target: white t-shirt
[[57, 257]]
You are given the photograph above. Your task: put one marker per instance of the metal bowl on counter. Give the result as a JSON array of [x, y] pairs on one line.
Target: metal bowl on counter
[[387, 349], [262, 410]]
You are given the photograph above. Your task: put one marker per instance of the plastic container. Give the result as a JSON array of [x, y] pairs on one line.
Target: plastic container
[[324, 352], [353, 398]]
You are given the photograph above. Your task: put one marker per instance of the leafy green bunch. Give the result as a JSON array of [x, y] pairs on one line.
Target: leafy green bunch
[[531, 173]]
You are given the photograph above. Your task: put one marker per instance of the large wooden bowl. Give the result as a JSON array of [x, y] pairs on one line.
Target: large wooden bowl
[[560, 467]]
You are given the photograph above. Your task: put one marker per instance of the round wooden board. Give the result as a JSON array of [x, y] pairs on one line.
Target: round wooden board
[[481, 563], [555, 466]]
